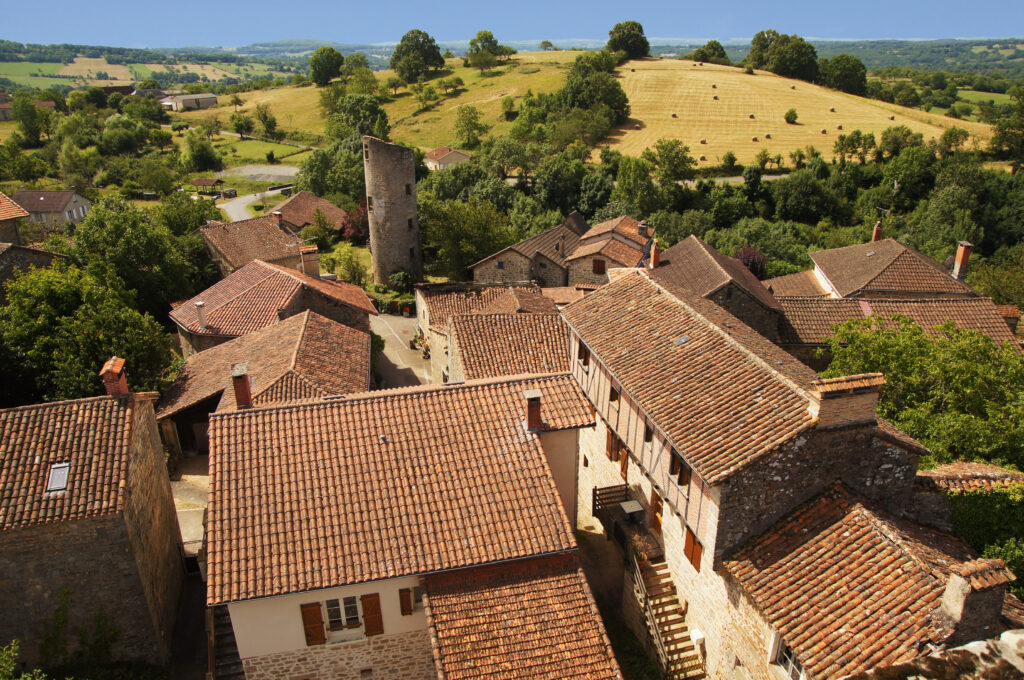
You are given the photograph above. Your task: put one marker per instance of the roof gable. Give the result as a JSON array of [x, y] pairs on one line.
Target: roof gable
[[9, 210], [300, 210], [445, 302], [885, 265], [624, 226], [695, 265], [260, 238]]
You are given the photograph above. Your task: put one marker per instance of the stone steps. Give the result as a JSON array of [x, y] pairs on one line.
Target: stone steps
[[684, 661]]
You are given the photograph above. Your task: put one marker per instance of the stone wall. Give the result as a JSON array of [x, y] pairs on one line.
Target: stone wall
[[343, 314], [390, 172], [740, 304], [456, 372], [513, 268], [548, 273], [581, 271], [9, 232], [401, 656], [808, 356], [193, 343]]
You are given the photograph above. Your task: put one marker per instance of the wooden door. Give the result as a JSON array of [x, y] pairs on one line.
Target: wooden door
[[655, 512], [313, 624], [373, 619]]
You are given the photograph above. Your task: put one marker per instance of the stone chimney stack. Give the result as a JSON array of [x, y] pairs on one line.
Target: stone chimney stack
[[201, 313], [533, 421], [848, 400], [655, 254], [240, 381], [876, 233], [642, 229], [974, 598], [963, 253], [278, 217], [113, 376], [309, 261]]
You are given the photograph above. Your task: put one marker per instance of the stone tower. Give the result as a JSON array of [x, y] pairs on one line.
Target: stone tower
[[390, 172]]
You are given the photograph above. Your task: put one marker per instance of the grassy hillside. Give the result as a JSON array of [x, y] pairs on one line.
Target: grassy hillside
[[661, 89], [298, 107]]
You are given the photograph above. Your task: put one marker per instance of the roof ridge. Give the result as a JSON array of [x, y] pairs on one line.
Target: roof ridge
[[302, 336], [239, 293], [707, 251], [62, 402], [879, 522]]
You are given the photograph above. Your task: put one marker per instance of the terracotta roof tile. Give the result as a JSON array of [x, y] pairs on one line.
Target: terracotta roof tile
[[554, 244], [564, 295], [847, 586], [723, 394], [801, 284], [445, 302], [300, 210], [965, 476], [9, 210], [519, 301], [260, 238], [531, 619], [886, 266], [249, 298], [439, 152], [624, 226], [383, 484], [92, 435], [698, 267], [511, 344], [43, 201], [811, 321], [613, 249], [302, 357]]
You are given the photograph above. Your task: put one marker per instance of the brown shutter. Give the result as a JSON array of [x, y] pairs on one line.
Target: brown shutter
[[405, 599], [698, 550], [313, 624], [373, 620]]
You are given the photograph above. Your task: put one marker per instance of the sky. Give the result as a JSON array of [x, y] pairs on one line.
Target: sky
[[144, 23]]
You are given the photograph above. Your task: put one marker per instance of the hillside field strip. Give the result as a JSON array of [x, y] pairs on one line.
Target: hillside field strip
[[675, 99]]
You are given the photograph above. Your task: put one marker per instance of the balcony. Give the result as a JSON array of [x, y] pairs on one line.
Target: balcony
[[624, 520]]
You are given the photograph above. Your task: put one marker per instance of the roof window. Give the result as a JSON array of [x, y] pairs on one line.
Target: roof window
[[58, 479]]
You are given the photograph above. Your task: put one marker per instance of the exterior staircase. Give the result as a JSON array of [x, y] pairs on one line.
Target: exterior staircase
[[224, 660], [679, 655]]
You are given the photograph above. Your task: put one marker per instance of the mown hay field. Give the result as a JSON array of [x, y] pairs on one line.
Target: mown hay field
[[671, 98], [87, 67]]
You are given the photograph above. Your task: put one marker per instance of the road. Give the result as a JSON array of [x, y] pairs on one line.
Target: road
[[236, 207]]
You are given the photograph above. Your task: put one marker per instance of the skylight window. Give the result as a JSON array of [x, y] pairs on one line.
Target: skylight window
[[58, 480]]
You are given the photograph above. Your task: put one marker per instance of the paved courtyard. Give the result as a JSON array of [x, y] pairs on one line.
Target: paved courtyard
[[190, 492], [399, 365]]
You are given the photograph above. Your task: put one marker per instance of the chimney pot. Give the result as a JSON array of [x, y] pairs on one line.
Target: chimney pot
[[113, 376], [963, 253], [847, 400], [533, 421], [309, 260], [201, 313], [876, 233], [655, 254], [240, 382], [642, 228]]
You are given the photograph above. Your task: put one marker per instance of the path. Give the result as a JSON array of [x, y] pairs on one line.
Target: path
[[399, 366], [237, 208]]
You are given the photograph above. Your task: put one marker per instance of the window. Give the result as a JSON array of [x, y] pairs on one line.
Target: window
[[410, 223], [366, 151], [679, 470], [71, 215], [417, 598], [613, 394], [543, 265], [342, 614], [599, 267], [648, 434], [692, 549], [583, 354], [369, 203], [405, 600], [408, 190], [501, 264], [58, 479], [614, 447], [788, 661]]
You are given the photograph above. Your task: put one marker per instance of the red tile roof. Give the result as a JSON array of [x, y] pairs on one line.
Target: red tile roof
[[613, 249], [249, 298], [554, 244], [92, 435], [383, 484], [885, 266], [300, 210], [445, 301], [698, 267], [810, 321], [965, 476], [260, 238], [847, 586], [43, 201], [531, 619], [302, 357], [801, 284], [9, 210], [722, 394], [511, 344], [519, 301], [563, 295], [624, 226]]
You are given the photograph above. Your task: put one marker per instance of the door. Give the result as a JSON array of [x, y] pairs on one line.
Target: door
[[313, 624], [373, 620], [655, 511]]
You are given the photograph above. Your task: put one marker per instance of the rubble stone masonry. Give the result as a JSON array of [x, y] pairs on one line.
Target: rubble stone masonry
[[514, 268]]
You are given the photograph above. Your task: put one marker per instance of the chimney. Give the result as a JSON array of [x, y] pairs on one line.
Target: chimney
[[282, 314], [201, 313], [876, 233], [848, 400], [278, 217], [642, 228], [113, 377], [240, 381], [974, 596], [963, 253], [532, 410], [309, 261], [655, 254]]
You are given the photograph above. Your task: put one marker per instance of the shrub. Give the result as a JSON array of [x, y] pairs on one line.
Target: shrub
[[401, 282], [790, 116], [271, 158], [352, 270]]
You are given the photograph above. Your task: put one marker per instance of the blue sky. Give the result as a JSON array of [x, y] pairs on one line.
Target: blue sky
[[143, 23]]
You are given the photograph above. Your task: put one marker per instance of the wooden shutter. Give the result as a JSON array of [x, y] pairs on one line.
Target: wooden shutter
[[313, 624], [373, 620], [405, 599], [624, 465]]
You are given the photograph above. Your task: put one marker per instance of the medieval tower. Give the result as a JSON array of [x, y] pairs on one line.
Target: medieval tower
[[390, 172]]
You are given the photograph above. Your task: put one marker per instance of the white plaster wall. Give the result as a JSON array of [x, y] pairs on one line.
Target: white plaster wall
[[561, 450]]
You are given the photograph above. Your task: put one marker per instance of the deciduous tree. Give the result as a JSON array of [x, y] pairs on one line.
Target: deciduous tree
[[628, 37], [325, 65], [416, 54]]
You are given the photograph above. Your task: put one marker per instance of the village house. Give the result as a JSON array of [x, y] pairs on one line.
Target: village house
[[540, 258], [302, 357], [262, 294], [87, 524], [299, 212], [7, 108], [389, 544], [14, 258], [443, 157], [188, 102], [489, 345], [620, 243], [932, 487], [232, 245], [53, 208], [10, 215], [760, 510]]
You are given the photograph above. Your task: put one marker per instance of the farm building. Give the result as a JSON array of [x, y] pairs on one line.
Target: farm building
[[53, 208], [188, 102]]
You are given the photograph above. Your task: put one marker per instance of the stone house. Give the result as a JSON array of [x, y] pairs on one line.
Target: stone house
[[10, 215], [262, 294], [14, 258], [299, 212], [491, 345], [730, 466], [375, 591], [303, 357], [540, 258], [53, 208], [232, 245], [622, 242], [87, 523], [444, 156]]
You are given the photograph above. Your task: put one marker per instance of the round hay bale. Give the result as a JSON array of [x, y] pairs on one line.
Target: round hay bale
[[753, 139], [792, 87], [674, 115], [700, 63], [839, 127], [824, 131], [714, 87], [632, 70], [703, 141], [892, 117], [703, 158], [637, 126], [751, 116], [716, 97], [832, 110], [767, 136]]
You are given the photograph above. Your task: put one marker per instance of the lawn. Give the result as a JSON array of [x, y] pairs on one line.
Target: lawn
[[296, 159], [266, 206], [975, 96], [340, 249], [239, 152], [7, 128], [27, 68]]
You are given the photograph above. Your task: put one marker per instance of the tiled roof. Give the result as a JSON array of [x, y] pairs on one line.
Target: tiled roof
[[519, 301], [249, 298], [492, 345], [300, 209], [1008, 311], [624, 226], [383, 484], [260, 238], [801, 284], [965, 476], [847, 586], [302, 357], [810, 321], [698, 267], [9, 210], [92, 435], [887, 266], [613, 249], [563, 295], [526, 620], [444, 302], [553, 244], [723, 394], [439, 152], [42, 201]]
